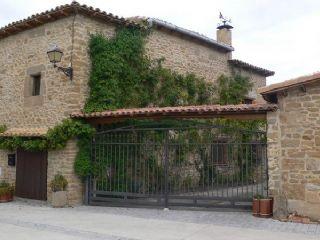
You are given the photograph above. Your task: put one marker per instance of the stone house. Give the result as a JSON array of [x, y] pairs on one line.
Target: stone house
[[294, 145], [34, 96]]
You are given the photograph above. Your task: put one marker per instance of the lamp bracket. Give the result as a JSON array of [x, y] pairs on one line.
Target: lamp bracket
[[68, 71]]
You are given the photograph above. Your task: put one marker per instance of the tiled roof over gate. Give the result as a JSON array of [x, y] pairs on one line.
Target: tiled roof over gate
[[180, 112]]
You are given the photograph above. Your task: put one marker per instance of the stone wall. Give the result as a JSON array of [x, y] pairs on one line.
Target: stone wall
[[6, 173], [184, 55], [24, 54], [62, 162], [257, 80], [294, 152], [180, 54]]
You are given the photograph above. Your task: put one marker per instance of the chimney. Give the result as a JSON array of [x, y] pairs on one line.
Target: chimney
[[224, 33]]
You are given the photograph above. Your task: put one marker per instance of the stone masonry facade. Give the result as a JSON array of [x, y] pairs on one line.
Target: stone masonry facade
[[61, 161], [23, 55], [294, 151]]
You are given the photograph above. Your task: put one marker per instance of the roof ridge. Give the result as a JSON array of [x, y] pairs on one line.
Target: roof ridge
[[190, 33], [57, 12]]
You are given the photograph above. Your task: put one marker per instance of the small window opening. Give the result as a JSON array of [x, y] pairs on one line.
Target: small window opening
[[219, 153], [247, 101], [36, 82]]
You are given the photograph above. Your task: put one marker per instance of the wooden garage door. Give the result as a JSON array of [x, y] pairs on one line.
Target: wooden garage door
[[31, 175]]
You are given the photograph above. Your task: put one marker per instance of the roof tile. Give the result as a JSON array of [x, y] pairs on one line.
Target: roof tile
[[61, 12], [214, 109]]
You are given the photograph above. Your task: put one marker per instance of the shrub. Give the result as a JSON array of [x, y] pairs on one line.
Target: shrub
[[3, 128], [59, 183], [232, 89], [6, 188]]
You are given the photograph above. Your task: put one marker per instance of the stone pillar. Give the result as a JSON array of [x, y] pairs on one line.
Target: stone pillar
[[274, 163], [62, 161], [8, 173]]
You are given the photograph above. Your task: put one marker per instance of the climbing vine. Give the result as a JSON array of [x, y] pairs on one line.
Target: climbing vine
[[56, 139], [233, 90], [122, 76]]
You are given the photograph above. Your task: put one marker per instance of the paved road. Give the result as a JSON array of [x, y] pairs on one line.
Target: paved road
[[24, 221]]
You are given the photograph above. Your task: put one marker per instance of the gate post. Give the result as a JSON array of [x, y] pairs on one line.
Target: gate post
[[87, 191], [88, 178], [166, 153]]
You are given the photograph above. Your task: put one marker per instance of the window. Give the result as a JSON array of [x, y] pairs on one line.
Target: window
[[36, 83], [248, 101], [219, 153]]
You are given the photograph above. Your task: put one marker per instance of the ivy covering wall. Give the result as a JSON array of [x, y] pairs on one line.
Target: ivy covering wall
[[123, 76]]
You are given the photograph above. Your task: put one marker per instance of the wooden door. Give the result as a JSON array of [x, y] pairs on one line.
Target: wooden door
[[31, 175]]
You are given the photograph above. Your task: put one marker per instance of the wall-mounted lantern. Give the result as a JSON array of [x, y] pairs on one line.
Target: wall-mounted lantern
[[55, 54]]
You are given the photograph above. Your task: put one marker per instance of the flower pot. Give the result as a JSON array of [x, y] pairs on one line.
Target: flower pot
[[256, 207], [266, 207], [6, 198], [59, 199]]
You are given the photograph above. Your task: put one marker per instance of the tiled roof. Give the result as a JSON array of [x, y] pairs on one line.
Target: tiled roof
[[248, 66], [290, 83], [24, 132], [180, 111], [61, 12], [73, 8]]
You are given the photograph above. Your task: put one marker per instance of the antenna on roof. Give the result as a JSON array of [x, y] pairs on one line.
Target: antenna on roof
[[224, 22]]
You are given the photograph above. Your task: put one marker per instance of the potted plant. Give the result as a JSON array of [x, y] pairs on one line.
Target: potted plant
[[266, 207], [59, 194], [256, 205], [6, 192]]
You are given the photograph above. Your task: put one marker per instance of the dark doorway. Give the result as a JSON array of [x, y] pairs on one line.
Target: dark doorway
[[31, 175]]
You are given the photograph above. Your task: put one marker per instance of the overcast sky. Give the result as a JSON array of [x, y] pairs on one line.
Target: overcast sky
[[280, 35]]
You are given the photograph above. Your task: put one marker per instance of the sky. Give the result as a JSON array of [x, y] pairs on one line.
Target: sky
[[279, 35]]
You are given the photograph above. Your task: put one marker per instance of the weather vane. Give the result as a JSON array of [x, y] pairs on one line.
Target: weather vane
[[225, 22]]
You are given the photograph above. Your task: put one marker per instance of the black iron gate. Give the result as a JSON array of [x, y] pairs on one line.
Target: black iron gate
[[207, 166]]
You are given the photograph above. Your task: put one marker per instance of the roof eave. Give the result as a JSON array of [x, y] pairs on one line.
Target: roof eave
[[241, 112], [270, 90], [243, 65], [156, 22]]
